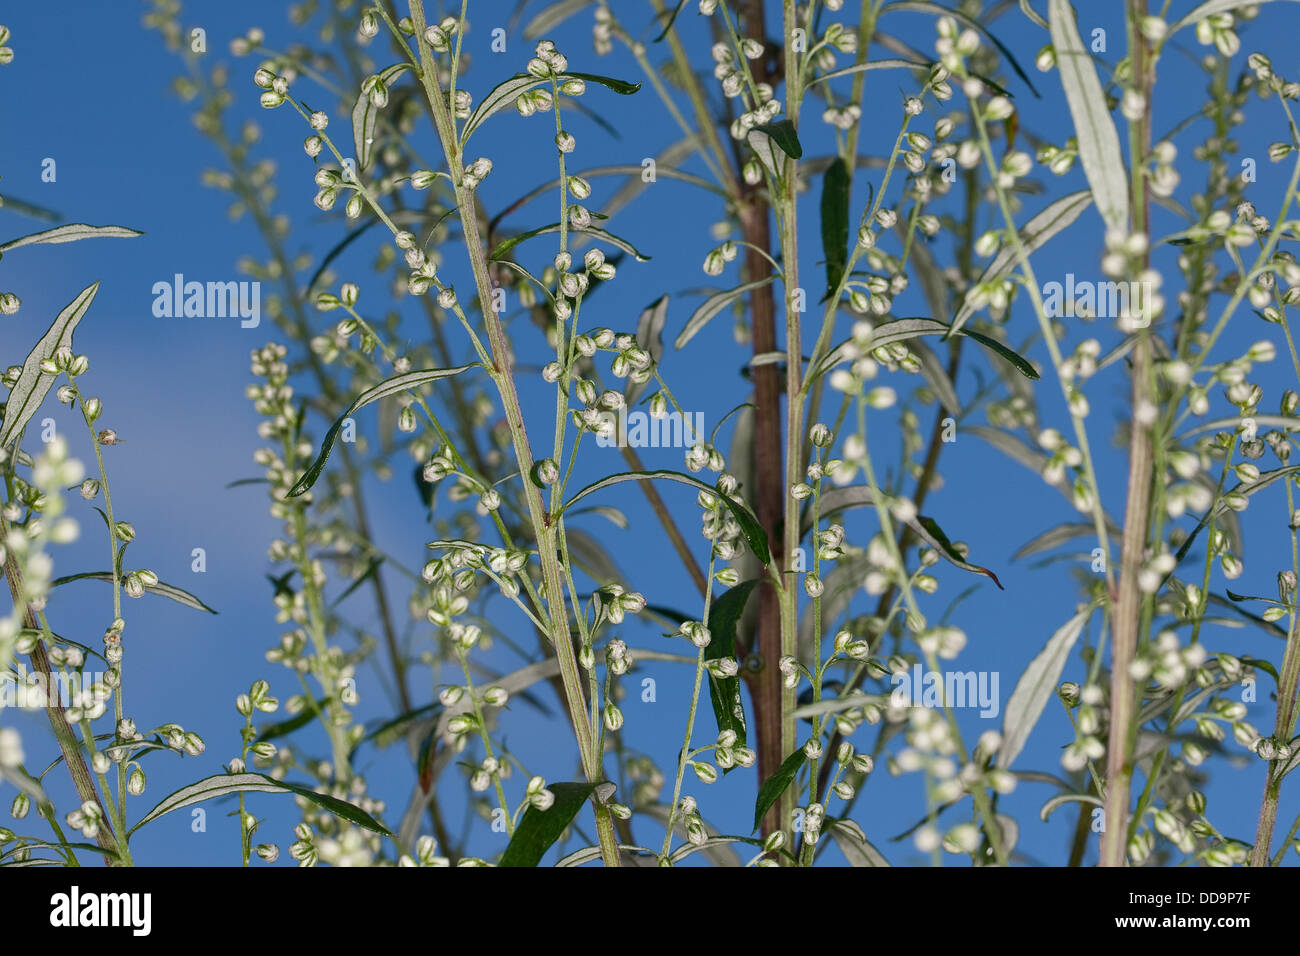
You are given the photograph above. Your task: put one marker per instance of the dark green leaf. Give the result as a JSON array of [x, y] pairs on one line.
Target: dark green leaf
[[724, 616], [775, 785], [784, 135], [835, 222], [539, 829], [933, 535]]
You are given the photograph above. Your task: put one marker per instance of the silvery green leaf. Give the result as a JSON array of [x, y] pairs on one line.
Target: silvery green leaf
[[712, 306], [1099, 149], [224, 784], [1209, 8], [902, 329], [551, 16], [162, 589], [719, 854], [1028, 11], [1033, 236], [1062, 799], [890, 64], [853, 843], [936, 376], [1036, 687], [365, 113], [650, 336], [711, 843], [773, 159], [754, 534], [393, 386], [505, 93], [507, 244], [591, 854], [71, 233], [33, 384]]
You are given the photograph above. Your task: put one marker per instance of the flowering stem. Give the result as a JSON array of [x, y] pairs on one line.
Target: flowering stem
[[503, 377], [1128, 606]]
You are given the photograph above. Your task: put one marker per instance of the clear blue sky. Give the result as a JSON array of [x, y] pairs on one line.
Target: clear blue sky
[[90, 88]]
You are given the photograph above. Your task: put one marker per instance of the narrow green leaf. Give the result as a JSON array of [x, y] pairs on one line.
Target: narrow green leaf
[[33, 384], [71, 233], [900, 330], [506, 245], [1209, 8], [1057, 536], [1033, 236], [551, 16], [775, 785], [928, 530], [393, 386], [712, 306], [1036, 687], [539, 829], [936, 376], [888, 64], [1028, 11], [40, 845], [672, 18], [855, 846], [1099, 149], [835, 222], [162, 589], [1062, 799], [365, 113], [225, 784], [749, 526], [724, 616], [1019, 362], [505, 93], [925, 528]]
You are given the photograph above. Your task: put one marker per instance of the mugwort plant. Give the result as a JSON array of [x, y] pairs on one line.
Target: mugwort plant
[[495, 358]]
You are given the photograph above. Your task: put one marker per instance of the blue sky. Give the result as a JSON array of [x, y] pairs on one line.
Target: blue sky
[[97, 100]]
